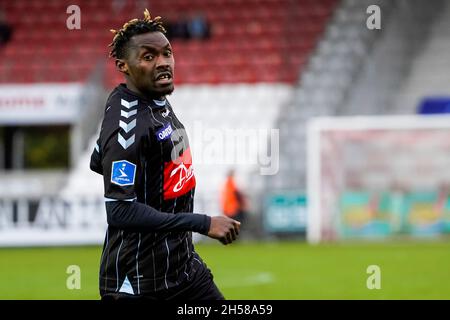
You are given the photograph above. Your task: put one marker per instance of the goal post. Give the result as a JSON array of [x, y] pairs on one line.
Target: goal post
[[378, 177]]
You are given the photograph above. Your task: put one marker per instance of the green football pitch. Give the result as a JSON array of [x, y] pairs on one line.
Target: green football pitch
[[268, 270]]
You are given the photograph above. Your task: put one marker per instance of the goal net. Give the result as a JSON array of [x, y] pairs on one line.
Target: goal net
[[378, 177]]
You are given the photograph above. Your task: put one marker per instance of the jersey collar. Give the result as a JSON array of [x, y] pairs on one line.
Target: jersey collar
[[160, 103], [153, 103]]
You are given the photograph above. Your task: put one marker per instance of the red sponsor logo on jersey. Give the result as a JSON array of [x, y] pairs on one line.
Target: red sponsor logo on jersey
[[179, 176]]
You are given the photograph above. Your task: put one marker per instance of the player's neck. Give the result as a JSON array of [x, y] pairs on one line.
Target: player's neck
[[143, 95]]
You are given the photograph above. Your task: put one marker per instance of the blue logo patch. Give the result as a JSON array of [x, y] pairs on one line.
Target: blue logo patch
[[123, 172], [164, 133]]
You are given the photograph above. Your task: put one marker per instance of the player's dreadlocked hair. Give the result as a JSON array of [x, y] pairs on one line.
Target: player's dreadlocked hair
[[132, 28]]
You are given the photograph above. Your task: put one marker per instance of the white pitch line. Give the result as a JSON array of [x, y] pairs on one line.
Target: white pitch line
[[257, 279]]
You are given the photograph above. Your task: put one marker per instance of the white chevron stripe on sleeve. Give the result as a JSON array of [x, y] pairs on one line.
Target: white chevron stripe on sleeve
[[127, 104], [125, 143], [128, 114], [127, 126]]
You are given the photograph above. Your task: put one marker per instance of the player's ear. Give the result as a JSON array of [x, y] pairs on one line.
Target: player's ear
[[122, 66]]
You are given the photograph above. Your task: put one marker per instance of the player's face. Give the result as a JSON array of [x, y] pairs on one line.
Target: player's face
[[150, 64]]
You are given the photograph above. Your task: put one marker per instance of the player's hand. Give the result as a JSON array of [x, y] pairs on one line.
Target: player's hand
[[224, 229]]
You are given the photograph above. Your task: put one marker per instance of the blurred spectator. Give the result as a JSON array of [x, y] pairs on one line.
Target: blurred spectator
[[178, 29], [195, 27], [198, 27], [232, 199], [5, 30]]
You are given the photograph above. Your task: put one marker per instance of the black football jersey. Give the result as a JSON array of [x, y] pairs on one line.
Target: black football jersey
[[144, 156]]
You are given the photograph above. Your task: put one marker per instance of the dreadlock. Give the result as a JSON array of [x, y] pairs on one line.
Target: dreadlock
[[132, 28]]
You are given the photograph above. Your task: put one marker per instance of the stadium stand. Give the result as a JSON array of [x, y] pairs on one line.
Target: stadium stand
[[428, 75], [357, 71], [380, 84], [322, 87], [282, 34]]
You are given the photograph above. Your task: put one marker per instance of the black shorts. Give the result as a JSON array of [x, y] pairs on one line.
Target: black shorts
[[200, 287]]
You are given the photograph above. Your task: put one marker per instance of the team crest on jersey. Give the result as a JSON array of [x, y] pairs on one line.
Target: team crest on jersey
[[123, 173], [164, 133], [178, 176], [165, 113]]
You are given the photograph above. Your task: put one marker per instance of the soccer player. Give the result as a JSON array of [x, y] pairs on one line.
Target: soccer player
[[144, 156]]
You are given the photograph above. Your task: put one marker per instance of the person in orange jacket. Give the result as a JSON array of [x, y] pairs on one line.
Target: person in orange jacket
[[232, 199]]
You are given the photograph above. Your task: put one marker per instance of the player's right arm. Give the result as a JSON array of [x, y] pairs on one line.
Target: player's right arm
[[123, 171], [138, 216]]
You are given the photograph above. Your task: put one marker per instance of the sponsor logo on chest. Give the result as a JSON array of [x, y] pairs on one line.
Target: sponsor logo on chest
[[164, 133], [179, 176]]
